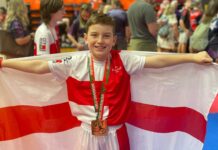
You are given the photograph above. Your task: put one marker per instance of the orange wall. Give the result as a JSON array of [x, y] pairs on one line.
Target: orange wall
[[126, 3], [34, 4]]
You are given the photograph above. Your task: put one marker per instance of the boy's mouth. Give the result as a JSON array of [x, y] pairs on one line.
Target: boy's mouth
[[100, 47]]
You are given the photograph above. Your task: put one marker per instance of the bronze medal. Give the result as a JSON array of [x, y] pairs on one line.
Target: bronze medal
[[99, 127]]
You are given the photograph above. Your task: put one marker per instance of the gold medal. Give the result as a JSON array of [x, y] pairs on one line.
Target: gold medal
[[99, 127]]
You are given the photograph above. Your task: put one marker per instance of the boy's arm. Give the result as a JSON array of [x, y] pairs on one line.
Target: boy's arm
[[159, 61], [32, 66]]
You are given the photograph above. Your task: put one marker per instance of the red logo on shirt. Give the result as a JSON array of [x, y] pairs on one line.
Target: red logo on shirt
[[59, 61], [116, 69], [42, 44]]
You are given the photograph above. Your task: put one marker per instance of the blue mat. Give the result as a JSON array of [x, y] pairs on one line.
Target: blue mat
[[211, 139]]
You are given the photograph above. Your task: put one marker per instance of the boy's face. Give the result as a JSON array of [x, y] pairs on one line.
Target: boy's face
[[100, 39]]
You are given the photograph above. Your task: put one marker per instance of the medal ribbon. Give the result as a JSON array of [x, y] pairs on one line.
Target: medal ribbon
[[98, 106]]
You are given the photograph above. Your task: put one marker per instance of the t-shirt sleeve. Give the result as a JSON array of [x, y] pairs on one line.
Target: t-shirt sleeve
[[149, 14], [62, 68], [42, 43], [132, 63]]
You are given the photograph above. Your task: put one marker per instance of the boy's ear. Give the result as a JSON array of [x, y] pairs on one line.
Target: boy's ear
[[85, 38]]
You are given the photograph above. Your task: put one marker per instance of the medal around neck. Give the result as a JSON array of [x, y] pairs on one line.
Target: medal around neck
[[99, 127]]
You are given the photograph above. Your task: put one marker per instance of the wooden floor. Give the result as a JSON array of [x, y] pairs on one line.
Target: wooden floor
[[64, 50]]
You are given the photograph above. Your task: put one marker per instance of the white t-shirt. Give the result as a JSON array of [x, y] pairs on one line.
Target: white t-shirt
[[44, 39], [76, 66]]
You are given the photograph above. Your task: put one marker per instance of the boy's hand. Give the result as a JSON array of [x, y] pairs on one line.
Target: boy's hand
[[202, 58]]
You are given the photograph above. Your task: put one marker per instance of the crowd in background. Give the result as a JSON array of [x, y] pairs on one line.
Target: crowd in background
[[169, 26]]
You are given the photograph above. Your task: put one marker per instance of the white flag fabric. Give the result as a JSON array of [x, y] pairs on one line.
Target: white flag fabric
[[169, 109]]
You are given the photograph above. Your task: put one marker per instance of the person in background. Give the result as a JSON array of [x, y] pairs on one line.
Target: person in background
[[101, 8], [3, 13], [102, 108], [212, 47], [195, 14], [163, 5], [168, 42], [107, 8], [77, 29], [201, 38], [184, 23], [122, 29], [17, 22], [143, 26], [211, 12], [46, 38]]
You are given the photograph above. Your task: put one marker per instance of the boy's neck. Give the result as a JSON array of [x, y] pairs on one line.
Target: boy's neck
[[52, 24], [99, 59]]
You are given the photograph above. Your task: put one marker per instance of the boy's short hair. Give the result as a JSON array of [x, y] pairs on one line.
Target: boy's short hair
[[3, 10], [102, 19], [47, 7]]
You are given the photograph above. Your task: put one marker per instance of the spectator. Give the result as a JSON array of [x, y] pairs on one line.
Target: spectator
[[17, 22], [101, 8], [195, 14], [212, 47], [107, 8], [211, 12], [199, 40], [46, 38], [163, 5], [143, 25], [168, 42], [121, 29], [184, 23], [77, 29], [3, 13]]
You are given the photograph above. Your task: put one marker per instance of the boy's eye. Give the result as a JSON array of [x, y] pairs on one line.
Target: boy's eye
[[93, 35], [107, 35]]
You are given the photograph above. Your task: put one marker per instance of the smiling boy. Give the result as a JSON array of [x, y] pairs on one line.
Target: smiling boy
[[95, 81]]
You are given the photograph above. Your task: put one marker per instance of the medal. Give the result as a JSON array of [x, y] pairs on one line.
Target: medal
[[99, 126]]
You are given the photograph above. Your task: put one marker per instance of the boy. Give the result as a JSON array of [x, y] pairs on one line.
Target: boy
[[46, 38], [102, 107], [184, 23]]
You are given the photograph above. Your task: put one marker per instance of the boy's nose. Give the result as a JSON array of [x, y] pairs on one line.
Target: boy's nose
[[100, 39]]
